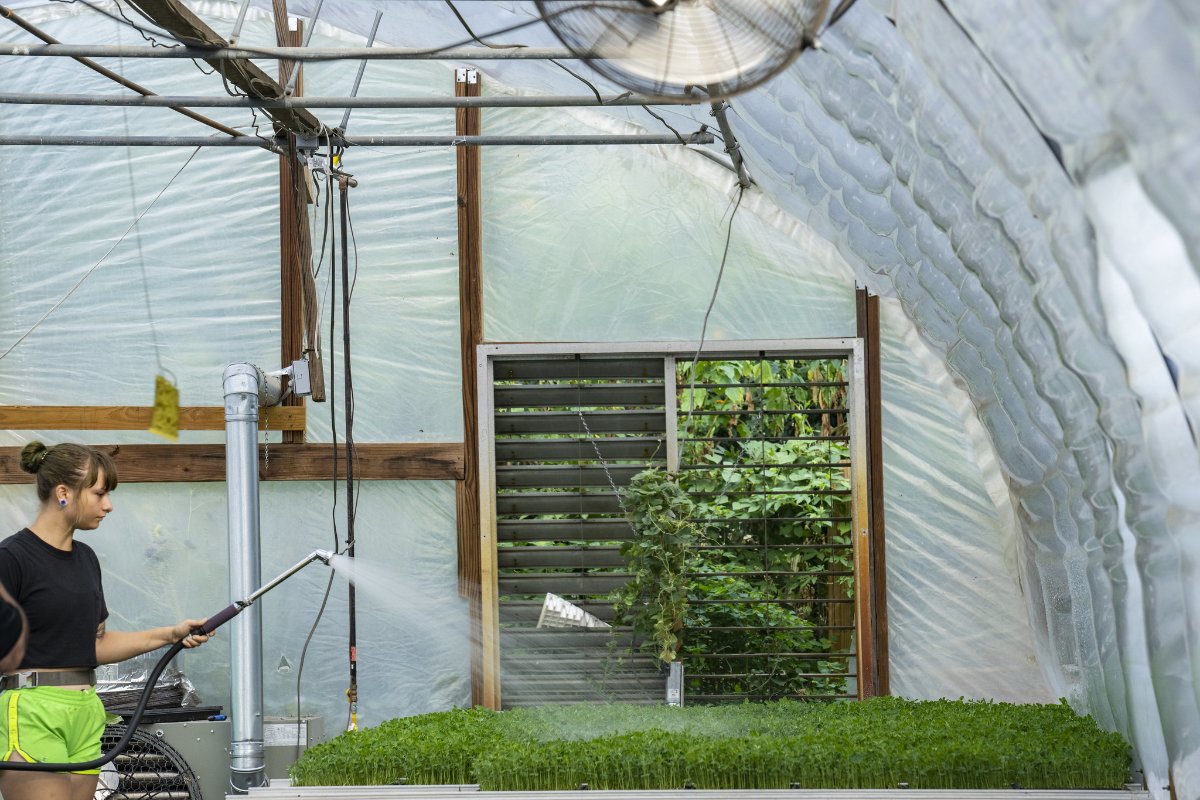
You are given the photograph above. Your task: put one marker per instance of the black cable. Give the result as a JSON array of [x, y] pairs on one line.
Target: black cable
[[595, 91], [351, 400], [326, 215], [304, 651], [348, 425], [711, 302], [124, 20]]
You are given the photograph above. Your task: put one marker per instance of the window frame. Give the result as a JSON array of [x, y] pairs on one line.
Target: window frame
[[853, 349]]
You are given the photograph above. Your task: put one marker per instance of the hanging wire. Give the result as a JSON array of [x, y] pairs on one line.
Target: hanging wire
[[326, 215], [97, 265], [138, 239], [711, 302]]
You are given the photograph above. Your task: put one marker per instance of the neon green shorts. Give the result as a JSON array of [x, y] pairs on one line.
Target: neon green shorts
[[52, 725]]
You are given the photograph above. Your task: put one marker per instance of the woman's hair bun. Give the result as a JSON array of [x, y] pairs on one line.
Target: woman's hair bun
[[32, 456]]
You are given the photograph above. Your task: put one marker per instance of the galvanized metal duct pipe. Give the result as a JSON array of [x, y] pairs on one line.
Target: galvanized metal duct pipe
[[246, 388]]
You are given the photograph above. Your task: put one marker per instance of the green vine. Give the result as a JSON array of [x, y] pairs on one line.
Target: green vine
[[655, 600]]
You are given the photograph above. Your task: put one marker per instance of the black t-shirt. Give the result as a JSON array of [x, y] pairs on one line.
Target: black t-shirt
[[63, 598]]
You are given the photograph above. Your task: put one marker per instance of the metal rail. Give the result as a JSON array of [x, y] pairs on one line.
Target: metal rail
[[279, 790], [370, 141], [225, 101], [16, 19], [290, 53]]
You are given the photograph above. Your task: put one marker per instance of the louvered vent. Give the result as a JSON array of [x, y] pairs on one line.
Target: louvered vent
[[761, 439], [569, 432]]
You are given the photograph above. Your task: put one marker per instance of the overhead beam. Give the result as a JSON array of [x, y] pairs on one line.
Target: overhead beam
[[293, 252], [183, 463], [178, 20], [214, 101], [22, 23], [216, 49], [136, 418]]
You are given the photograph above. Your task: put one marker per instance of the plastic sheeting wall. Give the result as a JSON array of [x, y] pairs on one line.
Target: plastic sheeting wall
[[209, 251], [1020, 192]]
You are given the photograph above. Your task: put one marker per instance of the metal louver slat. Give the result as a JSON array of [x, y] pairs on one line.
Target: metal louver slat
[[561, 557], [557, 503], [623, 449], [596, 583], [579, 395], [585, 530], [638, 421], [557, 476], [543, 369]]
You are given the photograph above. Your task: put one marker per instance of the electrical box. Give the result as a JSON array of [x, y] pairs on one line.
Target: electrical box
[[285, 738]]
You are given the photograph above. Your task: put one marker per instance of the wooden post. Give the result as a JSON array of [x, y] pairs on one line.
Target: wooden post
[[867, 306], [293, 220], [470, 300], [298, 292]]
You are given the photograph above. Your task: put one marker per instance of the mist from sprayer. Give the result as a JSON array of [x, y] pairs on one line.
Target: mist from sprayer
[[420, 617]]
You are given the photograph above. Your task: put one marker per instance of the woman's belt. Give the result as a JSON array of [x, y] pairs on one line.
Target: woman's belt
[[61, 677]]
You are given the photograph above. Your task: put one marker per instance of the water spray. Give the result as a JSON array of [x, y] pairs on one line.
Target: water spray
[[210, 625]]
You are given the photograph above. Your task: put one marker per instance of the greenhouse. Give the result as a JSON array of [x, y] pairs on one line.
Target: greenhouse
[[485, 372]]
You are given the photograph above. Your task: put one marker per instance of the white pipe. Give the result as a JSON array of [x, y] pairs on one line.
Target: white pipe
[[246, 387]]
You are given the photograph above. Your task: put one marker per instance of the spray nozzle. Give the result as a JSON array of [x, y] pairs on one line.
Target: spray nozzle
[[235, 608]]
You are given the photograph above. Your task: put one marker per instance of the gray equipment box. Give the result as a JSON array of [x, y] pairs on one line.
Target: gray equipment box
[[280, 737], [205, 746]]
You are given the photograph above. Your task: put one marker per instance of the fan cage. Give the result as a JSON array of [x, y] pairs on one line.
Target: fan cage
[[148, 769], [721, 47]]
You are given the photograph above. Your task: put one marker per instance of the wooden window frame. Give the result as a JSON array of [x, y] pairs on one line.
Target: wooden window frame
[[854, 350]]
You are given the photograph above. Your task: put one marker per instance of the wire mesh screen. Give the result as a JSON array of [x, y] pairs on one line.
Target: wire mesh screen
[[764, 454], [148, 769]]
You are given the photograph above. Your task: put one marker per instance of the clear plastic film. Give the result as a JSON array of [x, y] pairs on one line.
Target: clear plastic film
[[1029, 220]]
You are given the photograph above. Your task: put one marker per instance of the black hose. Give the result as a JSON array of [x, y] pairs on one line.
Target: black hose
[[130, 728]]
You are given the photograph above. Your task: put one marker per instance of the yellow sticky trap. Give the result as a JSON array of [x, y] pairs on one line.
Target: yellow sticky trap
[[165, 421]]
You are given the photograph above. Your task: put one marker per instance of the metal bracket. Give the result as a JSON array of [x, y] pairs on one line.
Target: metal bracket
[[310, 143], [466, 75], [299, 378], [675, 684], [300, 381]]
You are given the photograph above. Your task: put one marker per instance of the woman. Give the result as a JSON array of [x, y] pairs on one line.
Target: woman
[[56, 580]]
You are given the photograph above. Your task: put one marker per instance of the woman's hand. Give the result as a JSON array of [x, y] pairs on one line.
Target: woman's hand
[[187, 632]]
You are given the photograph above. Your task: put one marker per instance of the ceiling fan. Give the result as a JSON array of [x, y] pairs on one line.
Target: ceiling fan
[[666, 47]]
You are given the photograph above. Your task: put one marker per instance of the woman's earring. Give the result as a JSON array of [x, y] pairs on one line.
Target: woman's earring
[[62, 502]]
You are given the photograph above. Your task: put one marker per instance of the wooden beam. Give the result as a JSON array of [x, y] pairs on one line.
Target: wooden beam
[[135, 418], [470, 316], [183, 463], [293, 241], [178, 20], [867, 308]]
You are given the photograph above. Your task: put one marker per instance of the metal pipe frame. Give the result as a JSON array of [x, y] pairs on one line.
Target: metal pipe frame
[[369, 141], [292, 53], [316, 101]]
